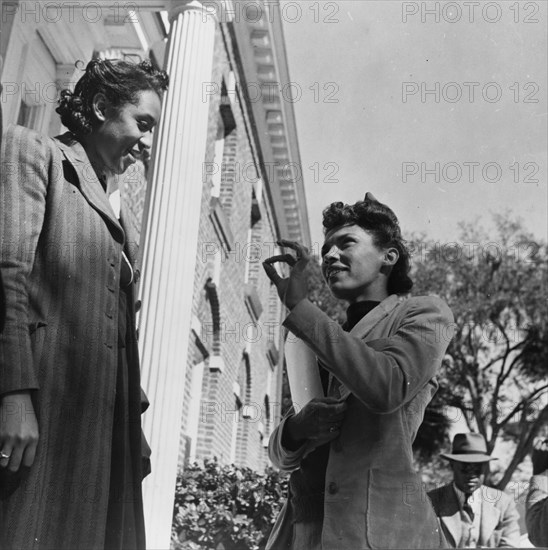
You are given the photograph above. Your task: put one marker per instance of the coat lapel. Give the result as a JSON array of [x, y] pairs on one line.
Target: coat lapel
[[490, 516], [453, 526], [132, 242], [364, 327], [449, 514], [89, 184], [376, 315]]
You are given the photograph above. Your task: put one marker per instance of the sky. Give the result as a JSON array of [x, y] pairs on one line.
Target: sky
[[445, 121]]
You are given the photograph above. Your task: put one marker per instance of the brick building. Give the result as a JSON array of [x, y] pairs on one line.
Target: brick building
[[222, 187]]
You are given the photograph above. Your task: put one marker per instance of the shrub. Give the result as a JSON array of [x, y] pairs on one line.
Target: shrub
[[225, 507]]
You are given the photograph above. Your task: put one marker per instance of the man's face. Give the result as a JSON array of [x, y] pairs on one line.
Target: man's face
[[352, 263], [468, 476]]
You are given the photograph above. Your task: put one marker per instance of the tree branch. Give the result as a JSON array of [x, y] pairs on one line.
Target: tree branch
[[522, 404]]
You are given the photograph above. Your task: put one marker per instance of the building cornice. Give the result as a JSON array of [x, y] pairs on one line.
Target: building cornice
[[262, 48]]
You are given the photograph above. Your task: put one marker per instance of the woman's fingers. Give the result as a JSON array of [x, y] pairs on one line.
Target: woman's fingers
[[271, 270], [16, 457], [29, 454], [5, 454], [286, 258], [271, 273], [12, 457], [19, 432], [302, 251], [303, 256]]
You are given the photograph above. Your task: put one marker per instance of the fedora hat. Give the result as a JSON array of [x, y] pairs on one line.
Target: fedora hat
[[469, 447]]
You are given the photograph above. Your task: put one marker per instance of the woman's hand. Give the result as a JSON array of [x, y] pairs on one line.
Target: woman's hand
[[319, 421], [18, 431], [295, 288]]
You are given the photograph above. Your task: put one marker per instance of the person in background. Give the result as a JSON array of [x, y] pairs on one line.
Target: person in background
[[352, 481], [471, 514], [536, 508], [71, 444]]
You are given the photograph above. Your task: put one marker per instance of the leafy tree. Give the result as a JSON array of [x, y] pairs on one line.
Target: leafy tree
[[225, 507], [497, 363]]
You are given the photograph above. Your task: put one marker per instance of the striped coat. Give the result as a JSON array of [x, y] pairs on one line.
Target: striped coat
[[61, 251]]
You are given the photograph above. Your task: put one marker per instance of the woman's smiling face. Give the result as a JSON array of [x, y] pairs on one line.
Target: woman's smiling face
[[352, 264], [124, 133]]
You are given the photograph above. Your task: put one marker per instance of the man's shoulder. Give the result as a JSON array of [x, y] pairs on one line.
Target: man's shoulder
[[443, 500], [496, 497], [439, 492]]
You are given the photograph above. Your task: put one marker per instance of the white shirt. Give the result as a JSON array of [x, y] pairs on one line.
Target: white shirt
[[115, 200]]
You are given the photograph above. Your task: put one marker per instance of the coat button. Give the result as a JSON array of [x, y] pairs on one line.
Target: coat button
[[332, 488]]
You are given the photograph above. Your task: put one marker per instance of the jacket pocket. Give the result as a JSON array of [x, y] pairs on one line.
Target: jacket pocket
[[399, 513]]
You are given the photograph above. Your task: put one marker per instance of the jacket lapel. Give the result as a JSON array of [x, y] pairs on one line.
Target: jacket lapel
[[376, 315], [89, 184], [132, 242], [364, 327], [449, 514], [490, 515], [453, 526]]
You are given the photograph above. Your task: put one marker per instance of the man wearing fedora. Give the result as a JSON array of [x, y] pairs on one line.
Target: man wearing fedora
[[471, 514]]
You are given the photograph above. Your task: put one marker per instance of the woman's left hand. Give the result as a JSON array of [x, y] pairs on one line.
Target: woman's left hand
[[294, 288]]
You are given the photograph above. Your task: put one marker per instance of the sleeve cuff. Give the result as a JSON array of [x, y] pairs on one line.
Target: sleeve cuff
[[283, 458], [301, 320]]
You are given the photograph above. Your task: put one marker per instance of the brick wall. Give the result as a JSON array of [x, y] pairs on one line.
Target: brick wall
[[219, 405], [239, 331]]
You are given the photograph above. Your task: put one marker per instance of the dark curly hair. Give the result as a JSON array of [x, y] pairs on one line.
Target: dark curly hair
[[120, 81], [382, 224]]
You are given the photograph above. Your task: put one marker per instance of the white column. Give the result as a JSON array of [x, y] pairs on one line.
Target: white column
[[169, 253]]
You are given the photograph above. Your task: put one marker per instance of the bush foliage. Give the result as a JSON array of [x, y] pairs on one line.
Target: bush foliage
[[226, 507]]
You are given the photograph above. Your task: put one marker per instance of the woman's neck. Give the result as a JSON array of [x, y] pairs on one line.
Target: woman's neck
[[107, 178]]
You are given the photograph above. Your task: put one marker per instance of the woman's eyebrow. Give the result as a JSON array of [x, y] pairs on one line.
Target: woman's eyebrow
[[329, 243]]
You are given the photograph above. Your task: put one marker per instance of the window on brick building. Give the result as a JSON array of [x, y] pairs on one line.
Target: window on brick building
[[32, 116], [254, 242], [236, 423], [223, 170], [267, 424], [244, 378], [243, 402], [193, 418], [213, 329], [33, 100]]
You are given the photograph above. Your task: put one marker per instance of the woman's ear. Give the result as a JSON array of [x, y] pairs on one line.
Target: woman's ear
[[391, 256], [99, 107]]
